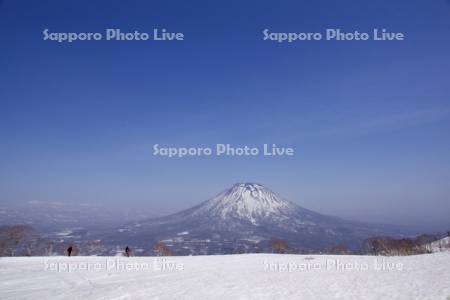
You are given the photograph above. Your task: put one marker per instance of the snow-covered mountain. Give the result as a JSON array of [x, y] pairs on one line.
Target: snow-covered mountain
[[48, 217], [249, 202], [244, 218]]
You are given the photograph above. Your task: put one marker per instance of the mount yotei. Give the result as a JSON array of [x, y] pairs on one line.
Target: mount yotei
[[244, 218]]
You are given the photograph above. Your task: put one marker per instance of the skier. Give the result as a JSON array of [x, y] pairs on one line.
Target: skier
[[127, 251], [69, 251]]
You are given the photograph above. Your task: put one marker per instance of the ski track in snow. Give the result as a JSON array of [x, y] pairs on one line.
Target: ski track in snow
[[229, 277]]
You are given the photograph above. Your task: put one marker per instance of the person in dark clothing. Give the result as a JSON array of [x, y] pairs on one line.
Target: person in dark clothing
[[69, 251], [127, 251]]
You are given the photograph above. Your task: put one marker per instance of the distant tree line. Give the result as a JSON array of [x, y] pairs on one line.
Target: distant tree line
[[22, 240], [405, 246]]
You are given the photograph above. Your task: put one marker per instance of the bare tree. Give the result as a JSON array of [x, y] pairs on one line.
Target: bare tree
[[11, 238], [390, 246], [278, 245], [93, 247], [339, 249], [49, 249], [161, 249]]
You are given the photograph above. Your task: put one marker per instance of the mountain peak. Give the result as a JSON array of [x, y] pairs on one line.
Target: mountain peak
[[247, 184], [242, 187], [247, 201]]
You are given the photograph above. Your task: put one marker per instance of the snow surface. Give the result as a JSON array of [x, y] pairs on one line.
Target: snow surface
[[246, 276]]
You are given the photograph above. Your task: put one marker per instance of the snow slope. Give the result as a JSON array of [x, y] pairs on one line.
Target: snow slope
[[246, 276]]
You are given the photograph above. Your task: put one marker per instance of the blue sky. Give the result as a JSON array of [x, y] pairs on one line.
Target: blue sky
[[369, 121]]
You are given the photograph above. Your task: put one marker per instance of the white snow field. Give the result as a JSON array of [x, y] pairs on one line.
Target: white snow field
[[245, 276]]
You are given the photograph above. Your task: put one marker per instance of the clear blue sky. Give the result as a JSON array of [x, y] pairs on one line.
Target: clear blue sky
[[369, 121]]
